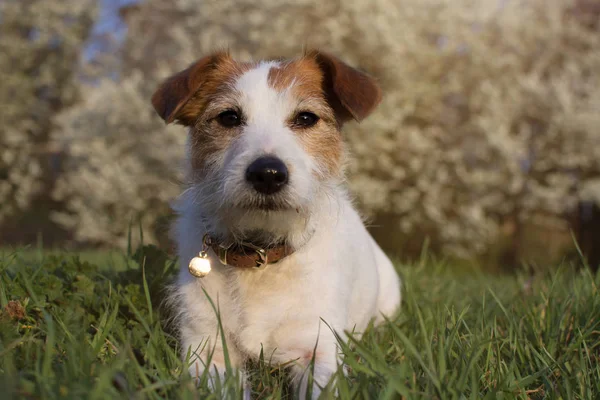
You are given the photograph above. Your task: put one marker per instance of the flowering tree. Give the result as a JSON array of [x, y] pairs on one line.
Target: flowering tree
[[489, 113], [40, 45], [122, 164]]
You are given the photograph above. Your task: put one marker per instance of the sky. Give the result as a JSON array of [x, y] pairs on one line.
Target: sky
[[108, 22]]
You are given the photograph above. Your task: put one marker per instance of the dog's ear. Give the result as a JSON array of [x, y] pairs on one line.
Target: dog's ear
[[352, 93], [172, 96]]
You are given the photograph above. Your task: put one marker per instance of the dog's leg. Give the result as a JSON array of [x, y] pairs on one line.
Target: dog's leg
[[206, 350], [318, 367], [202, 328], [314, 353]]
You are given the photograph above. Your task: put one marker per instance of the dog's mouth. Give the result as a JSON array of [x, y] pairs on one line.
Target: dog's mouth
[[267, 204]]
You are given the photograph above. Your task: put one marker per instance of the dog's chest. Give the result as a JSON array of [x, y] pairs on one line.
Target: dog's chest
[[272, 300]]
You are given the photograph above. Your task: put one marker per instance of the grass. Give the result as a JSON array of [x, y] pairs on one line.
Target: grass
[[71, 328]]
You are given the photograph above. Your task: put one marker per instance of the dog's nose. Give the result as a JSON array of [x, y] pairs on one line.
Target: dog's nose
[[267, 175]]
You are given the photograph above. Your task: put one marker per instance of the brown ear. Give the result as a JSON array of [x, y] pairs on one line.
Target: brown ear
[[173, 94], [352, 93]]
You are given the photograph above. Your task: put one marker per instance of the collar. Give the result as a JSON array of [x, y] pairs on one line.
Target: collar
[[247, 255]]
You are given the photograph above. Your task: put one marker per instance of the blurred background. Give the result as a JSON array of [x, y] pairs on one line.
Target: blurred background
[[485, 149]]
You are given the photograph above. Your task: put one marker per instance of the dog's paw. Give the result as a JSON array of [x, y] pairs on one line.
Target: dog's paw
[[215, 379], [215, 376], [310, 381]]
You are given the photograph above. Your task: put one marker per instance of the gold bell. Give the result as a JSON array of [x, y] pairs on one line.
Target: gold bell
[[200, 266]]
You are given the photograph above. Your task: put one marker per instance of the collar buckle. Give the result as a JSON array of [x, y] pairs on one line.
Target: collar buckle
[[263, 258], [261, 263]]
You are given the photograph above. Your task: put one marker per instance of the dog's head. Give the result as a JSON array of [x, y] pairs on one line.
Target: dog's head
[[264, 138]]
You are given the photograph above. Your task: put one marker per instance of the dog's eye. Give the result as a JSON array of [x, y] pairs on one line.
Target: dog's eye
[[305, 119], [229, 119]]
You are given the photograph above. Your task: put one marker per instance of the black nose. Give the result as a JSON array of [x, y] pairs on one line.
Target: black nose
[[267, 175]]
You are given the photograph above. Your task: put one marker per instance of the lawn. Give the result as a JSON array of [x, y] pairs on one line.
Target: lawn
[[92, 327]]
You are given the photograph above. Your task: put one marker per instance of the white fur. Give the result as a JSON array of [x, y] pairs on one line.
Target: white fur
[[338, 273]]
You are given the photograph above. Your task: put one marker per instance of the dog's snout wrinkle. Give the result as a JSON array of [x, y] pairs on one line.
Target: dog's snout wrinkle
[[267, 175]]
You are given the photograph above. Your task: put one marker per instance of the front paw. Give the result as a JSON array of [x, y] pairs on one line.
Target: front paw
[[214, 377], [311, 379]]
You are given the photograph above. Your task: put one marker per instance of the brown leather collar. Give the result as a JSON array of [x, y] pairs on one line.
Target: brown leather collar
[[247, 255]]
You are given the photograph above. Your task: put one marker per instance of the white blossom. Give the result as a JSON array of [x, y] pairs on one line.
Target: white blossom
[[490, 110]]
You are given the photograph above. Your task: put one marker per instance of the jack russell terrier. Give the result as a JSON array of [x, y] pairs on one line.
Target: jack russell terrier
[[266, 207]]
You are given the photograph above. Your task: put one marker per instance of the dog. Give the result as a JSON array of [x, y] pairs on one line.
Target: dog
[[265, 204]]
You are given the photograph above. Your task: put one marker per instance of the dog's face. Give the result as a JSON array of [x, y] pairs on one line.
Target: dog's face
[[264, 145]]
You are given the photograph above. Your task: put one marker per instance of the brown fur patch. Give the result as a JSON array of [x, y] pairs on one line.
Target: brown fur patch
[[303, 76], [186, 96], [323, 141], [209, 139], [183, 96], [173, 95], [352, 93], [327, 147]]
